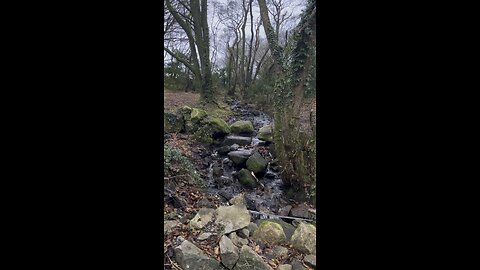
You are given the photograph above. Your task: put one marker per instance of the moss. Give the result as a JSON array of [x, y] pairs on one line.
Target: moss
[[218, 125], [271, 232], [240, 127], [197, 114], [246, 178]]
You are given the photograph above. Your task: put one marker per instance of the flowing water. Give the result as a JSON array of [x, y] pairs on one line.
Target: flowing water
[[224, 183]]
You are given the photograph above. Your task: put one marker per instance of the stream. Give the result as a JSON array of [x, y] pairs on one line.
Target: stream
[[222, 181]]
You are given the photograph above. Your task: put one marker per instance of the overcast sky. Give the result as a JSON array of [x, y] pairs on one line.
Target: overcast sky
[[219, 28]]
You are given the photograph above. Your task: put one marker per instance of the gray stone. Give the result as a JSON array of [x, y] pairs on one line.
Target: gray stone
[[228, 252], [234, 147], [224, 150], [201, 219], [240, 140], [191, 257], [280, 251], [237, 240], [204, 236], [256, 163], [252, 227], [240, 156], [233, 217], [284, 267], [310, 260], [244, 233], [297, 265], [238, 199], [217, 171], [285, 210], [168, 225], [300, 211], [304, 239], [249, 260]]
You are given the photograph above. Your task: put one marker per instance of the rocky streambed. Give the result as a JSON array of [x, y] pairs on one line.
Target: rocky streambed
[[255, 226]]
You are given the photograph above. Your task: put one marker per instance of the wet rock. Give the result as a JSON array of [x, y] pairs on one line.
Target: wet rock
[[252, 227], [234, 147], [232, 218], [227, 194], [224, 150], [285, 267], [270, 232], [238, 199], [240, 156], [304, 238], [280, 251], [270, 175], [168, 225], [239, 140], [223, 181], [204, 202], [176, 201], [228, 252], [265, 133], [191, 257], [285, 210], [256, 163], [275, 168], [201, 219], [297, 265], [310, 260], [237, 240], [245, 177], [244, 233], [249, 260], [217, 171], [173, 122], [242, 127], [300, 211]]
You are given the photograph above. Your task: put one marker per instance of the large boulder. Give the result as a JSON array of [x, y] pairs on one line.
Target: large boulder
[[240, 140], [300, 211], [191, 257], [233, 217], [256, 163], [249, 260], [242, 127], [310, 260], [173, 122], [304, 239], [288, 228], [204, 216], [266, 133], [228, 252], [239, 157], [218, 126], [246, 178], [270, 232]]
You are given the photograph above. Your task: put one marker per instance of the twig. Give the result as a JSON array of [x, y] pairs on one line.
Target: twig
[[258, 181], [272, 215]]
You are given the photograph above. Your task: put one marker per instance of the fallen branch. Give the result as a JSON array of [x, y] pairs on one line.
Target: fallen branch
[[272, 215], [258, 181]]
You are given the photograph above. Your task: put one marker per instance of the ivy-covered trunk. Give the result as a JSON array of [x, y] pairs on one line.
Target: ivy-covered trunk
[[294, 149]]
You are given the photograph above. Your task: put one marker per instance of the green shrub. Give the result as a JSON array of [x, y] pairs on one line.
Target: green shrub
[[176, 164]]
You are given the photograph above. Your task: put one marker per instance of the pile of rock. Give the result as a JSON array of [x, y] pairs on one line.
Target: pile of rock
[[237, 234]]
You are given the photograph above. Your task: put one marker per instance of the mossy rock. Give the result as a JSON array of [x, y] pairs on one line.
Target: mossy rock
[[266, 133], [173, 122], [218, 125], [203, 135], [270, 232], [245, 178], [256, 163], [242, 127], [197, 115]]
